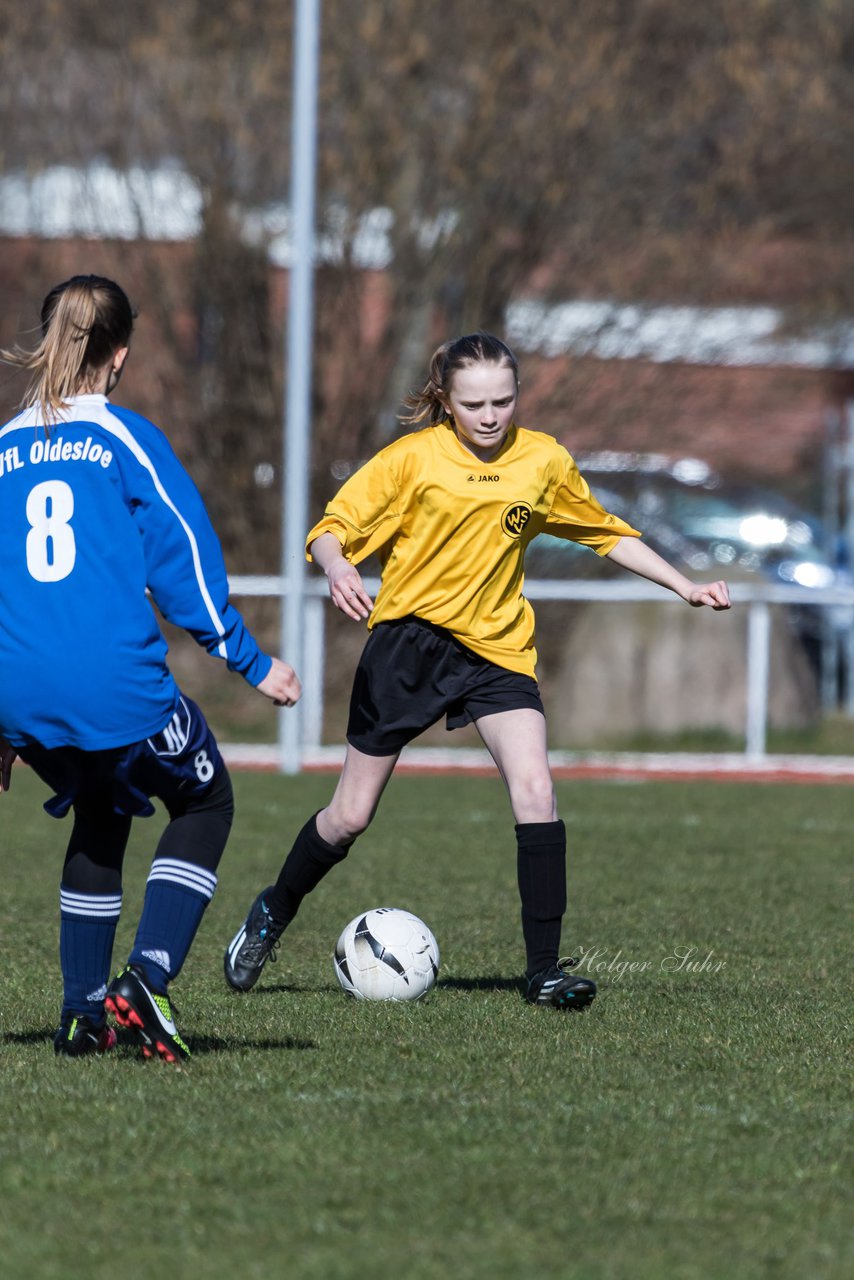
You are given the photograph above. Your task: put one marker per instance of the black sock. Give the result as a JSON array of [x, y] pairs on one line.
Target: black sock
[[305, 866], [541, 869]]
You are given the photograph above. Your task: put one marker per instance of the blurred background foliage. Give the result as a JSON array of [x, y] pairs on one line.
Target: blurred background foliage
[[649, 151]]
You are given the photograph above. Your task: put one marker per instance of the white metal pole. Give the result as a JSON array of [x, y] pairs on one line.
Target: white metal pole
[[758, 675], [297, 427], [832, 527], [314, 660]]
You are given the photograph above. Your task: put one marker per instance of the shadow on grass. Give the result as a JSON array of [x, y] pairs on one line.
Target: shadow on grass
[[220, 1044], [200, 1045], [444, 984], [277, 989], [482, 984]]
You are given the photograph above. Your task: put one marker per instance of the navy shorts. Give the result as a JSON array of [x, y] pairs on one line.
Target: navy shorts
[[412, 673], [175, 765]]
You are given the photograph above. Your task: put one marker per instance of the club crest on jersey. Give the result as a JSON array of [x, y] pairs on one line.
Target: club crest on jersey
[[515, 517]]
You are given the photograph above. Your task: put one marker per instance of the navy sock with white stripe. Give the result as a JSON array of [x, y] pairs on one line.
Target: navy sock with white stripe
[[176, 896], [86, 933]]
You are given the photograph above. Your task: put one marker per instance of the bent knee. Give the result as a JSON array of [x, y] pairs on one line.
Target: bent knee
[[342, 823], [533, 799]]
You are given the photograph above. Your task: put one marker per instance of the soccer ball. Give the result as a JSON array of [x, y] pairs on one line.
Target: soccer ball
[[386, 954]]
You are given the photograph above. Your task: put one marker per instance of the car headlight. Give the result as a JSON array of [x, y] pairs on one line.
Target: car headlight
[[761, 530]]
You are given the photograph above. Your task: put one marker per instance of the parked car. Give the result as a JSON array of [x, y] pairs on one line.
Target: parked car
[[704, 526]]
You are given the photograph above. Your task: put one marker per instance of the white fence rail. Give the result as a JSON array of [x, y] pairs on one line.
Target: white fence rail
[[757, 598]]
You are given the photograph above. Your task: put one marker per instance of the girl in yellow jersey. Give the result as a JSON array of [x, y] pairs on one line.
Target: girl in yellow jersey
[[450, 510]]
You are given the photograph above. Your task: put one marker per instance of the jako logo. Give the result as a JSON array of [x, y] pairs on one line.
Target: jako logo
[[515, 518]]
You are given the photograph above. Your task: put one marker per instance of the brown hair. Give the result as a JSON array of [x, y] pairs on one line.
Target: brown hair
[[84, 321], [459, 353]]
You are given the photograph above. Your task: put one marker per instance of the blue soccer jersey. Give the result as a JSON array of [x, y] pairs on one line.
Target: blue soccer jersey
[[93, 513]]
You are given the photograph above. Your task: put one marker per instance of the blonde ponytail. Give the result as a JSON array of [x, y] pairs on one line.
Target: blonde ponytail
[[85, 321], [427, 403]]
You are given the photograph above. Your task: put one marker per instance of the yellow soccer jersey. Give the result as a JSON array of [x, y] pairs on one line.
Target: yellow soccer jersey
[[451, 532]]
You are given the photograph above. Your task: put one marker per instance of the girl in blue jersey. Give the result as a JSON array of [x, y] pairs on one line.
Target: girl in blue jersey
[[97, 510]]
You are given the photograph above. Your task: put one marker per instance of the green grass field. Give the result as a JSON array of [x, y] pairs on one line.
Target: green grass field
[[694, 1124]]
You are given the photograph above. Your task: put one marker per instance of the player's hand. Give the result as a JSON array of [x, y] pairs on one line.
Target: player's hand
[[713, 594], [281, 684], [347, 590], [8, 756]]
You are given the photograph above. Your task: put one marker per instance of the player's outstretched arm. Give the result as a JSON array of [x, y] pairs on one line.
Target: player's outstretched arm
[[281, 684], [8, 756], [632, 554], [345, 585]]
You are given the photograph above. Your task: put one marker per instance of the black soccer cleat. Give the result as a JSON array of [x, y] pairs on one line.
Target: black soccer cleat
[[133, 1004], [80, 1035], [559, 989], [256, 942]]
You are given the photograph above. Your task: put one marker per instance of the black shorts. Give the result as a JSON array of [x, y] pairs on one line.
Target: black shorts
[[411, 673], [176, 765]]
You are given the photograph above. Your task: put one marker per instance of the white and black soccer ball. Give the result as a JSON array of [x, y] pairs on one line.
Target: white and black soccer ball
[[386, 954]]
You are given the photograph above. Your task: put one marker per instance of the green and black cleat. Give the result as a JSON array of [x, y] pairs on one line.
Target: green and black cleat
[[80, 1035], [133, 1004]]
